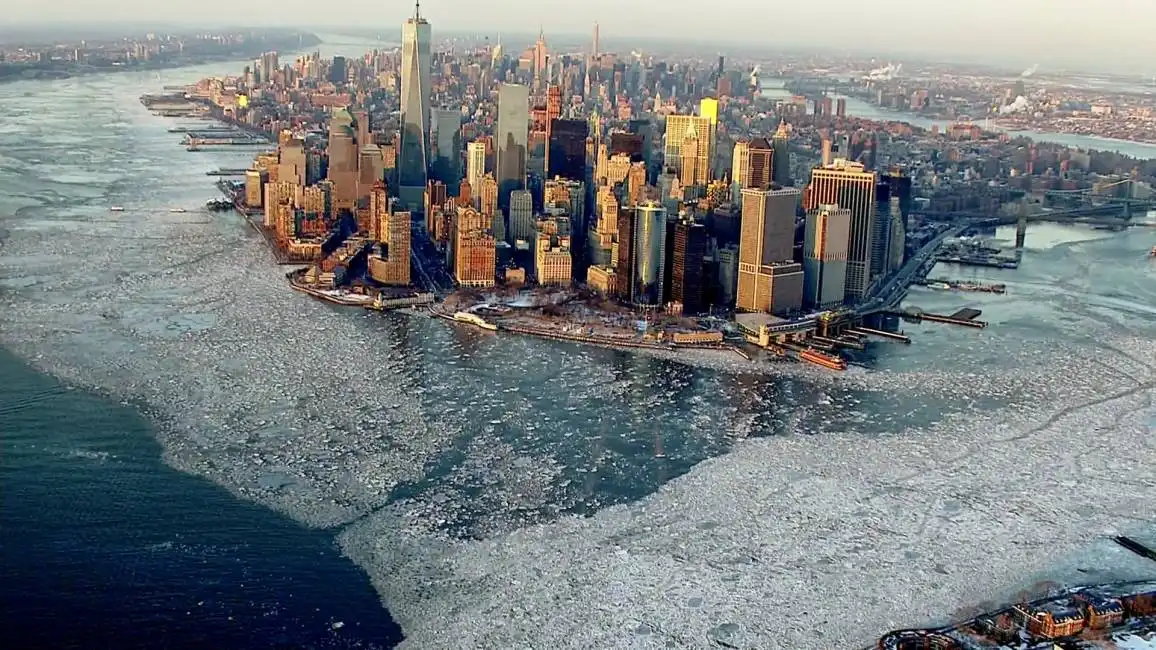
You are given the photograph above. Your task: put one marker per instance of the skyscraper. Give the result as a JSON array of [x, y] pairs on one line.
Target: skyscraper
[[343, 154], [849, 186], [649, 247], [782, 156], [449, 145], [740, 171], [825, 256], [521, 216], [708, 108], [760, 164], [553, 112], [511, 139], [337, 72], [567, 149], [678, 127], [413, 158], [687, 284], [476, 166], [768, 280]]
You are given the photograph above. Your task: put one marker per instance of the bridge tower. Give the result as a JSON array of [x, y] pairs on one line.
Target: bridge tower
[[1021, 230]]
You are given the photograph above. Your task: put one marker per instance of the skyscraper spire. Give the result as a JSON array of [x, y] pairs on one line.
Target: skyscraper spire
[[417, 10]]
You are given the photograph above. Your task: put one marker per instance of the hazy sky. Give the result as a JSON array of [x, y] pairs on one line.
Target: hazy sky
[[1100, 34]]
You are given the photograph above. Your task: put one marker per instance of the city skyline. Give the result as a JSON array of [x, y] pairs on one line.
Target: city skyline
[[1013, 33]]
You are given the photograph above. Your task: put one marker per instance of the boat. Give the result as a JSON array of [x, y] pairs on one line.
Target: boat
[[941, 286], [116, 208], [474, 319], [1152, 253], [826, 360], [177, 210]]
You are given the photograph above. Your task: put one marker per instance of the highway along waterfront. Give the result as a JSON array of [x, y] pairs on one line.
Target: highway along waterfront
[[506, 491]]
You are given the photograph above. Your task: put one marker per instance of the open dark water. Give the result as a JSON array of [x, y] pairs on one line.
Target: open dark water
[[104, 546]]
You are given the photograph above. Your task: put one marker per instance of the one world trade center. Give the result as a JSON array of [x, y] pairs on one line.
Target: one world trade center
[[413, 155]]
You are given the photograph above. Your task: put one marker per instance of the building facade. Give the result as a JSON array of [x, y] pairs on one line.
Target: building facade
[[828, 232]]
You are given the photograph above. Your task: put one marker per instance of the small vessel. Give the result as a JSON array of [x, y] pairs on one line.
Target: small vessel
[[940, 286], [116, 208], [1152, 253], [177, 210], [474, 319]]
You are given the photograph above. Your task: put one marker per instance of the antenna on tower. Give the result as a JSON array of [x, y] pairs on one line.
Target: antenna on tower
[[416, 9]]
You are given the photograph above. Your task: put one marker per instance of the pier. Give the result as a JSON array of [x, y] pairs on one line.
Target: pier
[[386, 304], [965, 317], [957, 285], [902, 338], [1135, 547], [246, 141]]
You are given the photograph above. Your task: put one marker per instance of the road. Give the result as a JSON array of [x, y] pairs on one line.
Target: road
[[888, 295]]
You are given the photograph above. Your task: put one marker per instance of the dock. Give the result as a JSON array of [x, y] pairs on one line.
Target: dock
[[958, 285], [1135, 547], [868, 331], [227, 171], [978, 260], [965, 317]]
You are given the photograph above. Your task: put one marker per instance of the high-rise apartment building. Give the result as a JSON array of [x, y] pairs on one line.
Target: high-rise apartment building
[[782, 157], [511, 140], [392, 231], [768, 279], [828, 232], [292, 159], [848, 185], [255, 180], [413, 157]]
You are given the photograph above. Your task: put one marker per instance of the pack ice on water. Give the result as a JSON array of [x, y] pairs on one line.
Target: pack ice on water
[[508, 492]]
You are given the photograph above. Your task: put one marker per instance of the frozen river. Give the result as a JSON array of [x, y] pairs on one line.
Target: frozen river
[[503, 491]]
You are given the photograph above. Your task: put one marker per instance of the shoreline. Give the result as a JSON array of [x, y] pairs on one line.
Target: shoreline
[[174, 65]]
